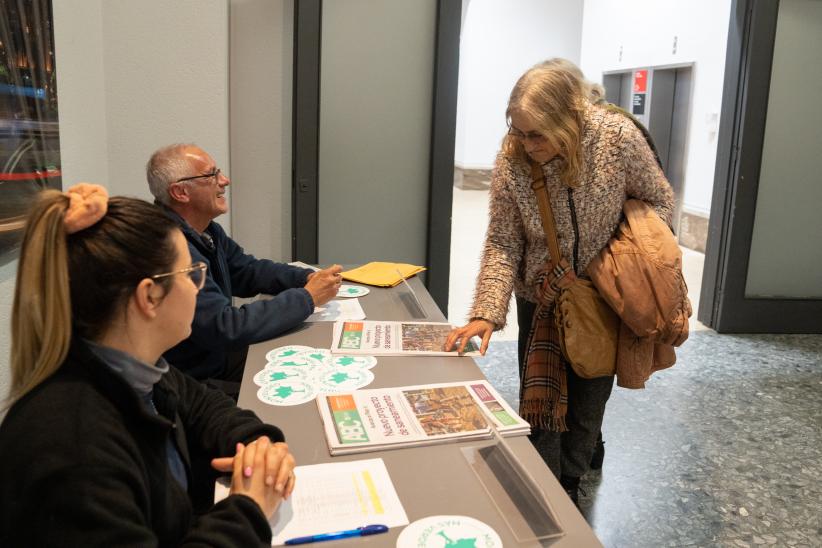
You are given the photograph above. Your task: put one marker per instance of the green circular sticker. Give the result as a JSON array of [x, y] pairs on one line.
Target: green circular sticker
[[298, 362], [276, 374], [288, 392], [346, 291], [450, 532], [320, 356], [286, 352], [344, 380]]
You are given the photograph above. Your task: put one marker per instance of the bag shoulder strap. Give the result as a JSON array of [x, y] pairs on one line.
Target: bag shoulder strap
[[545, 212]]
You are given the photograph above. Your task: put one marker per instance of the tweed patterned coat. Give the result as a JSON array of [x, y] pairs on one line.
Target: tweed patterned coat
[[618, 165]]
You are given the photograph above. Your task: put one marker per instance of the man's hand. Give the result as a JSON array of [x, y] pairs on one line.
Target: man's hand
[[323, 285]]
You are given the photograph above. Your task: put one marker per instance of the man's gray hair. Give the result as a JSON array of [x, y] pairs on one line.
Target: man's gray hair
[[165, 166]]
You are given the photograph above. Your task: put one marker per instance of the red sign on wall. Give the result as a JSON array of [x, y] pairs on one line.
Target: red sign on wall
[[640, 81]]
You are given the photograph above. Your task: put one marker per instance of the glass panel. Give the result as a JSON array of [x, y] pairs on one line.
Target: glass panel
[[29, 138], [786, 255]]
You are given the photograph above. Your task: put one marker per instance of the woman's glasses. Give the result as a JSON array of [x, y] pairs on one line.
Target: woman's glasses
[[532, 136], [197, 273]]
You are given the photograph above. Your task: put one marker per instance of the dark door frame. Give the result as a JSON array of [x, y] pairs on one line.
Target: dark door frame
[[723, 303], [305, 139], [305, 131], [443, 140]]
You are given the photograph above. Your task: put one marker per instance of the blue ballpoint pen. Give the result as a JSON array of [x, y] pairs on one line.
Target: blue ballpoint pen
[[358, 532]]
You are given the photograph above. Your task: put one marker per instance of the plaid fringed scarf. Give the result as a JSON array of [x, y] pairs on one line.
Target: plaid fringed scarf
[[544, 391]]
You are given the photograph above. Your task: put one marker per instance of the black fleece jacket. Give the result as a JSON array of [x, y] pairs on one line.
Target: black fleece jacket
[[83, 463]]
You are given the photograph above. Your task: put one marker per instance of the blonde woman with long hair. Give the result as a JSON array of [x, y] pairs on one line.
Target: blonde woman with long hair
[[593, 159], [100, 433]]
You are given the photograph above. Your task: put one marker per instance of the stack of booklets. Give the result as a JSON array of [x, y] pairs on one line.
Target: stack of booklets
[[386, 418], [386, 338]]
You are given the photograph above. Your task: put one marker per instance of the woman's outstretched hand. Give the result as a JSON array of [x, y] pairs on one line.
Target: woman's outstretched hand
[[263, 471], [461, 335]]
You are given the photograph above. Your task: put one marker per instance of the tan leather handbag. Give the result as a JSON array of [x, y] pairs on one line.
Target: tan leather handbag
[[588, 326]]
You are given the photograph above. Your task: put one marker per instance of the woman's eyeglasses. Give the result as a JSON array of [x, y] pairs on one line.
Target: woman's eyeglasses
[[197, 273], [532, 136]]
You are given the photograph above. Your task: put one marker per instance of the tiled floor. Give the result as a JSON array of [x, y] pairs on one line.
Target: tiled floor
[[723, 449]]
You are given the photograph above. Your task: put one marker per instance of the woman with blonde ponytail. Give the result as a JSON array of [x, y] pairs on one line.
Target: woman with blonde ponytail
[[100, 435], [591, 159], [41, 313]]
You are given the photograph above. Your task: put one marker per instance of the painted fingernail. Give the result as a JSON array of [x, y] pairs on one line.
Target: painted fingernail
[[247, 471]]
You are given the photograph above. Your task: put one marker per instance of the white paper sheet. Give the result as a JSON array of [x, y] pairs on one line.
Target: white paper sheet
[[331, 311], [334, 497]]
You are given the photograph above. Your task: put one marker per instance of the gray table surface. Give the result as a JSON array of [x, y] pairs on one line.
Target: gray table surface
[[430, 480]]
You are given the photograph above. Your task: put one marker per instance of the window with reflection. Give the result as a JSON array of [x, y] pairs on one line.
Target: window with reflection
[[29, 135]]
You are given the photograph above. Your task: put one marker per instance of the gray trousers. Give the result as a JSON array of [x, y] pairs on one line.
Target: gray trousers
[[567, 453]]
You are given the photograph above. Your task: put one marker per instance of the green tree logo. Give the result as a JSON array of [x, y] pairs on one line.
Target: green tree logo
[[284, 392], [340, 377], [460, 543], [278, 376]]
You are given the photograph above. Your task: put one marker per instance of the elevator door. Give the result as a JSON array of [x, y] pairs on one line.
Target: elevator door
[[665, 113]]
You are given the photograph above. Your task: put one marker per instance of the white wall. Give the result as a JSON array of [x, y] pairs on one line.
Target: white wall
[[166, 80], [81, 90], [261, 52], [133, 76], [644, 30], [500, 41], [136, 75]]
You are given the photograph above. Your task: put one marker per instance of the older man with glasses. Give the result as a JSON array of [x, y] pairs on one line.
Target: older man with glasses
[[186, 181]]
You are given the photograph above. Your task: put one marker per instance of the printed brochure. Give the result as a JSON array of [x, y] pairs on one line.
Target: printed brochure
[[395, 339], [384, 418]]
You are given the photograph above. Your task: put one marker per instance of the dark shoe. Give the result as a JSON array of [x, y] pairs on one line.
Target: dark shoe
[[571, 486], [599, 454]]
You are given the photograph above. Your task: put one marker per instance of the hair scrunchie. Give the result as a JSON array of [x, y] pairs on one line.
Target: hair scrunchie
[[87, 205]]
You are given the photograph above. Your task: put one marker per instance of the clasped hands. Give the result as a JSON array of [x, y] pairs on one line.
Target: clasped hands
[[261, 470]]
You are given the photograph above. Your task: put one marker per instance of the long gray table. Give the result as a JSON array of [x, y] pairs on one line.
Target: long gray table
[[430, 480]]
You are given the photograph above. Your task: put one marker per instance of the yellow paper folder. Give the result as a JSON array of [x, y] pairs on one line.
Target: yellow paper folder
[[381, 274]]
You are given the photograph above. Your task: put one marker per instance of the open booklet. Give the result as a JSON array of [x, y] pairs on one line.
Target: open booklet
[[395, 339], [385, 418]]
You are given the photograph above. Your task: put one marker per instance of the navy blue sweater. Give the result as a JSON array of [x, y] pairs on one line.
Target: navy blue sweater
[[219, 327]]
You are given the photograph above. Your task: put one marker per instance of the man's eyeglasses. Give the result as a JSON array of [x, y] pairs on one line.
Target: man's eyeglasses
[[197, 273], [530, 136], [215, 174]]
